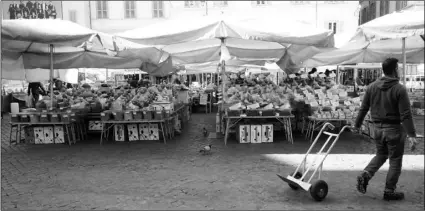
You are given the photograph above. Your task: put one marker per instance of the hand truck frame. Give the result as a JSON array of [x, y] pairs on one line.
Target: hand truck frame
[[319, 189]]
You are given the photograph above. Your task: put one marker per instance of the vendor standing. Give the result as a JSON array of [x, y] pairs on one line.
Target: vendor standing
[[36, 89]]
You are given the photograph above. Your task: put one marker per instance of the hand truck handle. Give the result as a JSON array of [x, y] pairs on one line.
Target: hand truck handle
[[329, 125]]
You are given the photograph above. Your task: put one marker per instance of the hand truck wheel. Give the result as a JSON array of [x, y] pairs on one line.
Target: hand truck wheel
[[319, 190], [298, 175]]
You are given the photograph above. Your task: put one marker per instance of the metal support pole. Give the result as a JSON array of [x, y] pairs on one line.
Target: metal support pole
[[316, 14], [51, 75], [403, 40]]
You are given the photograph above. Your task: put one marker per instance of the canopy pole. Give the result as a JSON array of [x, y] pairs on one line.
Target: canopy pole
[[403, 40], [51, 75], [337, 75]]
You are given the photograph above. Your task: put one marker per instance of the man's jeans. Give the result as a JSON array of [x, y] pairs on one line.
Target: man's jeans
[[389, 139]]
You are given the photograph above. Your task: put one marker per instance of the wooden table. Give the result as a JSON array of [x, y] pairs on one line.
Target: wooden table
[[165, 129], [69, 128], [231, 121], [166, 124]]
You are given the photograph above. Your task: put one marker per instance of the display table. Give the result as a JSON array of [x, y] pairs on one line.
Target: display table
[[69, 128], [166, 125], [315, 124], [231, 121]]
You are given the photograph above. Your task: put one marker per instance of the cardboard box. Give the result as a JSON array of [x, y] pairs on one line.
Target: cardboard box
[[119, 132], [59, 135], [48, 135], [38, 135], [255, 134], [29, 135], [267, 133], [153, 132], [143, 131], [244, 134], [133, 132]]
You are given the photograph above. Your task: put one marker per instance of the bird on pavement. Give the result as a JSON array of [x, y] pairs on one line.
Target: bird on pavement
[[205, 131], [206, 149]]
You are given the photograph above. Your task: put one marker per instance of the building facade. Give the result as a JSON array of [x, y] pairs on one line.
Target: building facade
[[118, 16], [370, 10]]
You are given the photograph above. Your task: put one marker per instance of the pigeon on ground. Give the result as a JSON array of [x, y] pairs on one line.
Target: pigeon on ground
[[205, 132], [206, 149]]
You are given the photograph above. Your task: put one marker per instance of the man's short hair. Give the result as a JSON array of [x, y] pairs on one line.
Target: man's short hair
[[389, 66]]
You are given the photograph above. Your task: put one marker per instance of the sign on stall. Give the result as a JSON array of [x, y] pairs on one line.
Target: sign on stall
[[203, 99], [304, 76], [291, 75]]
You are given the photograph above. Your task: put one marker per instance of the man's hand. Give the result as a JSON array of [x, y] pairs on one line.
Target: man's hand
[[355, 129], [412, 143]]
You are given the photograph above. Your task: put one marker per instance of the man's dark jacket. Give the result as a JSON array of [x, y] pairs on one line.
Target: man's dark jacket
[[389, 104]]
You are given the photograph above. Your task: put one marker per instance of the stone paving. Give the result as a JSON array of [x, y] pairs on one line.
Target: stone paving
[[150, 175]]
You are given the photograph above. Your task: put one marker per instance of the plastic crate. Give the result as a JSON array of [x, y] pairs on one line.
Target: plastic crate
[[73, 117], [34, 118], [158, 115], [118, 115], [55, 117], [284, 112], [234, 112], [268, 112], [105, 116], [65, 117], [24, 118], [147, 115], [44, 117], [253, 112], [128, 115], [137, 115]]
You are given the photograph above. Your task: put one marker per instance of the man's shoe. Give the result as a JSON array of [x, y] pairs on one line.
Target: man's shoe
[[393, 196], [362, 182]]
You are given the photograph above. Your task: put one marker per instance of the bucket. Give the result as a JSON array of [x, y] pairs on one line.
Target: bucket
[[14, 107]]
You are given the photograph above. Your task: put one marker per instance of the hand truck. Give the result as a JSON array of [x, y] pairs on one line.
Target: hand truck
[[319, 189]]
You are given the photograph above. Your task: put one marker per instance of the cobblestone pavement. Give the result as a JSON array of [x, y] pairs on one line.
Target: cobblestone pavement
[[149, 175]]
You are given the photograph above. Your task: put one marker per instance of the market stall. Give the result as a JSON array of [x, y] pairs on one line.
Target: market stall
[[46, 127]]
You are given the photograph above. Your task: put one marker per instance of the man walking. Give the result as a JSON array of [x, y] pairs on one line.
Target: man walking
[[389, 106]]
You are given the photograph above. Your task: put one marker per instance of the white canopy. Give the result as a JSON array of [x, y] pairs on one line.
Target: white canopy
[[405, 23], [362, 51], [376, 40], [74, 47], [198, 41]]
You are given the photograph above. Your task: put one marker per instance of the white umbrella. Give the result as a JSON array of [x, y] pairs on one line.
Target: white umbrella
[[408, 22]]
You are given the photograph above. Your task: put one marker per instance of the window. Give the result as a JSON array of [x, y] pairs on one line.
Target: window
[[73, 16], [372, 11], [382, 8], [300, 2], [387, 7], [260, 3], [364, 16], [335, 26], [220, 3], [192, 4], [130, 9], [102, 9], [158, 9], [332, 26], [400, 5]]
